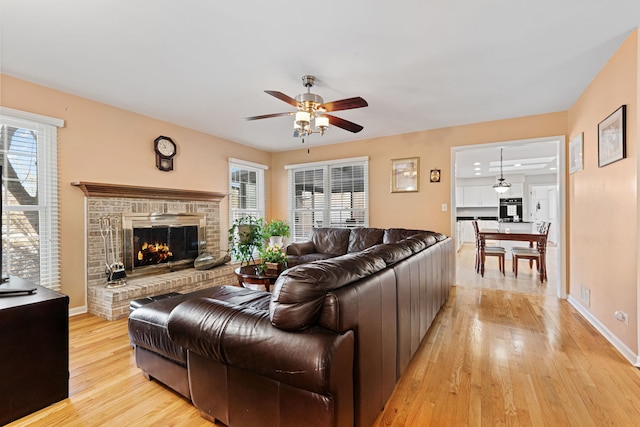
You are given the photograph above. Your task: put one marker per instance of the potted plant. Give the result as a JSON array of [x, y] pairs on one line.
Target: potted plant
[[245, 236], [273, 258], [276, 230]]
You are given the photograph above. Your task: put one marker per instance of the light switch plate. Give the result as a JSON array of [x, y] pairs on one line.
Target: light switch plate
[[444, 207]]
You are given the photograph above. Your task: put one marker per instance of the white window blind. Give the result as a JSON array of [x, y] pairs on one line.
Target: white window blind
[[332, 194], [30, 236], [246, 189]]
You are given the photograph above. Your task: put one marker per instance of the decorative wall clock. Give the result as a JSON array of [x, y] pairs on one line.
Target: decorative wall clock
[[165, 150]]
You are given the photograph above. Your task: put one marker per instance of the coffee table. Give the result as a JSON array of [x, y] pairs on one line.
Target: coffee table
[[251, 275]]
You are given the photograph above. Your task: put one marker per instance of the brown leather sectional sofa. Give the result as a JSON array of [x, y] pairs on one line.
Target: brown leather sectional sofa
[[325, 348]]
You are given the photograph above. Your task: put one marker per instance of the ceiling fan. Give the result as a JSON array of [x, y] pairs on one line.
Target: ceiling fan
[[312, 107]]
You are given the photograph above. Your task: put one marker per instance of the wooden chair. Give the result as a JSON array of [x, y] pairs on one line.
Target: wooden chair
[[497, 251], [525, 249], [531, 254]]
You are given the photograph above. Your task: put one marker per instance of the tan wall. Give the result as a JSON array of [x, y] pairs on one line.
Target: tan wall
[[101, 143], [424, 208], [603, 201]]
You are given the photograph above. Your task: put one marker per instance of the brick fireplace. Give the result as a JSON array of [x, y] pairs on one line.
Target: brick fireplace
[[118, 200]]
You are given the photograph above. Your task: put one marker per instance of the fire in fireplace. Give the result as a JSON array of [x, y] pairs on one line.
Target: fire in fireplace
[[157, 242]]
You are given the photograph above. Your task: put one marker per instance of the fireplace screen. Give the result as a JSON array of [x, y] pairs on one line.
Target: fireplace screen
[[157, 245], [161, 241]]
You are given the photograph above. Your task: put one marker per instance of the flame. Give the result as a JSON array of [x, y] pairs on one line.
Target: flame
[[153, 253]]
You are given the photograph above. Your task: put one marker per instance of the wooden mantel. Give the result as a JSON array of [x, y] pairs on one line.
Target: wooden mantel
[[96, 189]]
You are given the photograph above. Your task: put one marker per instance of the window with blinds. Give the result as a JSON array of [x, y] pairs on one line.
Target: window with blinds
[[30, 239], [331, 194], [246, 189]]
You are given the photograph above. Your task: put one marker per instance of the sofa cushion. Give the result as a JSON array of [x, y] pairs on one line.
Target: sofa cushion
[[334, 241], [428, 238], [148, 324], [393, 235], [299, 292], [293, 260], [390, 252], [362, 238]]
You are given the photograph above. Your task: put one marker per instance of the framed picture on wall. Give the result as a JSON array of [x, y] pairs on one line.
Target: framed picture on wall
[[575, 154], [612, 138], [405, 175]]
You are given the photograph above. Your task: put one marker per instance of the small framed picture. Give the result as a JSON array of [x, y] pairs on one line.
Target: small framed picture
[[611, 137], [575, 154], [434, 176], [405, 175]]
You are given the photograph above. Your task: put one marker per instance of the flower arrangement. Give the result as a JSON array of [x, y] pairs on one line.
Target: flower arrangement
[[273, 253]]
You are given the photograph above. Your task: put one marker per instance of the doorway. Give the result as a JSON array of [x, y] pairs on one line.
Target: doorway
[[550, 196]]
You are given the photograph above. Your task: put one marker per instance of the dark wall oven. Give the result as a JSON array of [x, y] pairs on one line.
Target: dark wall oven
[[511, 209]]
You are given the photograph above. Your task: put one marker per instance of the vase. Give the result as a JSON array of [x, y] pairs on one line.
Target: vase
[[275, 240]]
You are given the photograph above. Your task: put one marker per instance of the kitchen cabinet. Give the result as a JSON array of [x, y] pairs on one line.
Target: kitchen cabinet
[[477, 196]]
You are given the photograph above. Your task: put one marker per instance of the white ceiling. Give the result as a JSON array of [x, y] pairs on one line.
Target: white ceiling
[[420, 64], [523, 158]]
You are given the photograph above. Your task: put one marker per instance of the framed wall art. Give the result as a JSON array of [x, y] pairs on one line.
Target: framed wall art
[[611, 138], [575, 154], [405, 175]]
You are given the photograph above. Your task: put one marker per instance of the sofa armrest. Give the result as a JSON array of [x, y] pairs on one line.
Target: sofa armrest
[[301, 248], [314, 359]]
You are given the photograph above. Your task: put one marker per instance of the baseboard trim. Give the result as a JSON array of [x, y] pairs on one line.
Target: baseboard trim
[[626, 352], [78, 310]]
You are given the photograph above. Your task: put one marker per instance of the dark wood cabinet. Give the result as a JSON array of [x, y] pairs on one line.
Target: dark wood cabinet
[[34, 350]]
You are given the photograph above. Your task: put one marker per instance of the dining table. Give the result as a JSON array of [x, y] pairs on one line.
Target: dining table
[[539, 239]]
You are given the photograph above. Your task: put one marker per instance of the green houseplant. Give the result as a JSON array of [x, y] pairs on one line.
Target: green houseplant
[[275, 230], [245, 236]]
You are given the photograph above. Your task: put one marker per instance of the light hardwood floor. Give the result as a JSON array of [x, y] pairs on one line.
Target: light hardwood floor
[[492, 357], [527, 280]]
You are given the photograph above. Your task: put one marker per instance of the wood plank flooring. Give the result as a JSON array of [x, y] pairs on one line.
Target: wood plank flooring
[[491, 358]]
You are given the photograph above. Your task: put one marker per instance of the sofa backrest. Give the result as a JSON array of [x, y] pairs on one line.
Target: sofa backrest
[[333, 241], [362, 238], [393, 235]]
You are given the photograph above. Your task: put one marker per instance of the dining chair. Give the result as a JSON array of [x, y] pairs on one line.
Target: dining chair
[[489, 250], [531, 254], [540, 227]]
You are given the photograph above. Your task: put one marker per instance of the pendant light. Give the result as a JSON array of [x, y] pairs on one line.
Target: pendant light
[[501, 186]]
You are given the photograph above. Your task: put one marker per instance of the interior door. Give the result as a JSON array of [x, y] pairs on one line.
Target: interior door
[[543, 207]]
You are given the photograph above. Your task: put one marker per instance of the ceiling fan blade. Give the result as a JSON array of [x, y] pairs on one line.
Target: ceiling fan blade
[[344, 124], [344, 104], [281, 96], [268, 116]]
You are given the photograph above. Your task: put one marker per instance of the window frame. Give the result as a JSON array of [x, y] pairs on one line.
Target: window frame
[[259, 169], [47, 189], [326, 209]]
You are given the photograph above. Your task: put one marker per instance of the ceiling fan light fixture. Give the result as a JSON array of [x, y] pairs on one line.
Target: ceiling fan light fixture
[[303, 118], [322, 123], [311, 106]]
